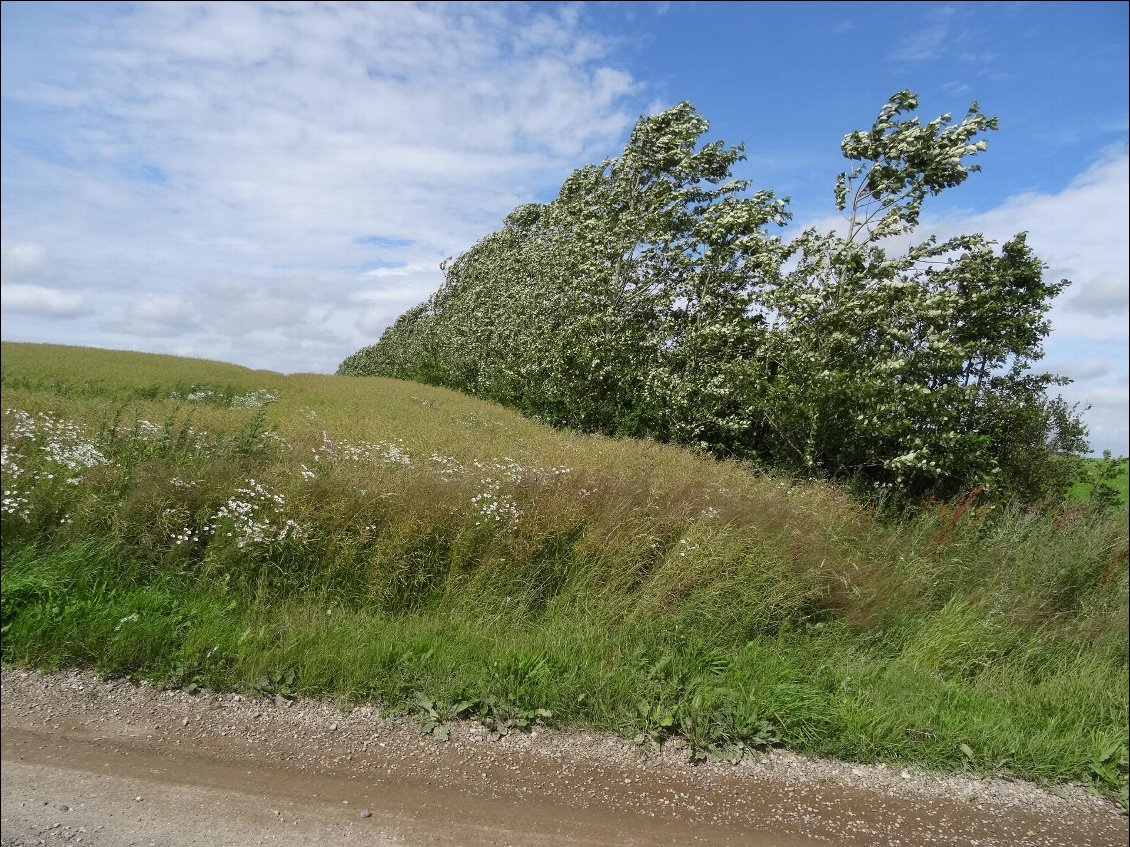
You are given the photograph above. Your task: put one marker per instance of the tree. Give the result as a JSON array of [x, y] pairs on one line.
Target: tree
[[650, 298], [910, 370]]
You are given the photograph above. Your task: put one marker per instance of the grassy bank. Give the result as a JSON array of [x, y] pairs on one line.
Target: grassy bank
[[201, 524]]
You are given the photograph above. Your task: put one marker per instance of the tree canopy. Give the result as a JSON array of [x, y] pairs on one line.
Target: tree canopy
[[655, 297]]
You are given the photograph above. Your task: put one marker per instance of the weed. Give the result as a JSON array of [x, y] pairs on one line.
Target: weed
[[278, 685], [183, 678], [657, 722], [1110, 768], [430, 721]]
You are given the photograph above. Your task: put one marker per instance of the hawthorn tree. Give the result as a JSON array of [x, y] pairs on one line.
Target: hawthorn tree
[[910, 369], [652, 298]]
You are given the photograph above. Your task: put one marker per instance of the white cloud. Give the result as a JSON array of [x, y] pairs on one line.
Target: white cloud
[[20, 260], [42, 301], [157, 316], [206, 176], [1082, 234], [213, 169], [921, 46], [1102, 296], [926, 43]]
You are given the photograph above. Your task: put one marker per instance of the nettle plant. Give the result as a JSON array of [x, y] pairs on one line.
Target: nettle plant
[[651, 298]]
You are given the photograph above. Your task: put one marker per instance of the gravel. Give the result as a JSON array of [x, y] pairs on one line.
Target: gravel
[[777, 791]]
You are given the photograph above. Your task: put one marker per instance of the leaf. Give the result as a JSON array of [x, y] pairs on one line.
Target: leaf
[[966, 750], [1105, 771], [1109, 751]]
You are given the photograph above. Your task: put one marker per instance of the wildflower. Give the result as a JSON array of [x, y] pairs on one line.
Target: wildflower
[[42, 449], [16, 504], [254, 399], [385, 452], [254, 515], [494, 508]]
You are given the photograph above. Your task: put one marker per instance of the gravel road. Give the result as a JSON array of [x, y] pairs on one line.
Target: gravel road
[[95, 762]]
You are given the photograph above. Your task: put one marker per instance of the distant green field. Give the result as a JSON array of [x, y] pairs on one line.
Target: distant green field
[[1081, 491], [204, 525]]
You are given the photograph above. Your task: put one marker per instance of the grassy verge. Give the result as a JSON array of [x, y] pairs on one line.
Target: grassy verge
[[203, 525]]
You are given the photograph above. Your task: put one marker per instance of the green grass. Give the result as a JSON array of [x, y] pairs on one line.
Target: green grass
[[1119, 482], [447, 556]]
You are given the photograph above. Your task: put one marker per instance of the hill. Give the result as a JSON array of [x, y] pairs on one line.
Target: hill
[[202, 524]]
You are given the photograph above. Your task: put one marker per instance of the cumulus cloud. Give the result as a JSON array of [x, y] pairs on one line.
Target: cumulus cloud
[[1081, 370], [1102, 296], [224, 174], [1081, 232], [272, 184], [156, 316]]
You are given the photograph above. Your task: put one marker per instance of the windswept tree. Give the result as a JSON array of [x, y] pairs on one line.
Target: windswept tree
[[654, 298], [909, 367], [601, 310]]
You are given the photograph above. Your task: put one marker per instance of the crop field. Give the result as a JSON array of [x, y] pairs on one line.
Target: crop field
[[204, 525], [1119, 484]]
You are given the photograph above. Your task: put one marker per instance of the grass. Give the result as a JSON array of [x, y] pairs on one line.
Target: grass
[[204, 525], [1118, 481]]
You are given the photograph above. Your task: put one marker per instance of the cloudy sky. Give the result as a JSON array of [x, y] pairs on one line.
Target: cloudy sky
[[272, 184]]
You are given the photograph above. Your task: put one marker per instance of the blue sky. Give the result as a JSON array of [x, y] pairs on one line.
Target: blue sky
[[273, 184]]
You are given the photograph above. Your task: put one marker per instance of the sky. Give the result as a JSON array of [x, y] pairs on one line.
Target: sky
[[273, 184]]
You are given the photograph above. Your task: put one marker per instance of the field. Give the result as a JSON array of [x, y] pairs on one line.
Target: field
[[1120, 484], [204, 525]]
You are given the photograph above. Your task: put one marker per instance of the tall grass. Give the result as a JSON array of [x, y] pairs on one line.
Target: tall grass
[[202, 524]]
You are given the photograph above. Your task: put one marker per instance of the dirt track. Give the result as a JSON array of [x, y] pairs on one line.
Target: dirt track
[[91, 762]]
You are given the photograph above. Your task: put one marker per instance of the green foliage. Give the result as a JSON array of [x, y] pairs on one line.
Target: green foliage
[[430, 721], [649, 299], [277, 685], [1110, 767]]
